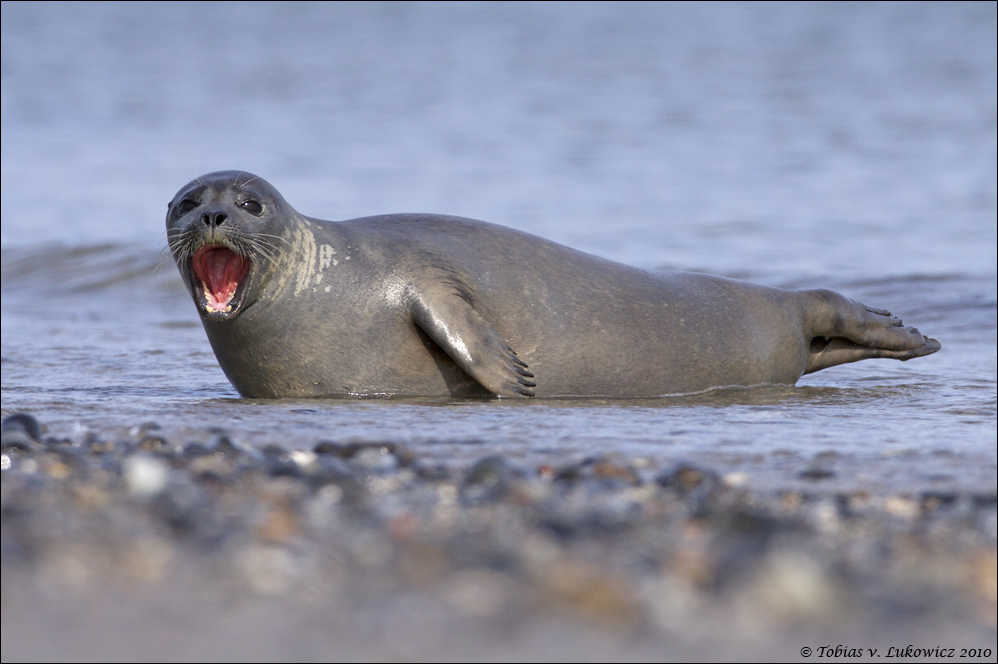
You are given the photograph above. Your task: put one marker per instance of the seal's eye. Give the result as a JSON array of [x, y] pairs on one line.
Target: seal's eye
[[252, 207], [186, 206]]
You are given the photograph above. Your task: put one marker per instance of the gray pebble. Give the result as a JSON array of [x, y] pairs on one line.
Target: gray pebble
[[278, 463], [487, 481], [196, 450], [816, 473], [230, 448], [20, 431], [685, 479]]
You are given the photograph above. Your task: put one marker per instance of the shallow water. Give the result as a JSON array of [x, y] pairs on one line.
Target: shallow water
[[844, 147]]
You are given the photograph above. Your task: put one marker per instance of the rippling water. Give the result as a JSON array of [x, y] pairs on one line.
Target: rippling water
[[846, 147]]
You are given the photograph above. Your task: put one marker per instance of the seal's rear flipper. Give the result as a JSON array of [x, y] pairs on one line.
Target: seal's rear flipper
[[447, 318], [842, 331], [826, 353]]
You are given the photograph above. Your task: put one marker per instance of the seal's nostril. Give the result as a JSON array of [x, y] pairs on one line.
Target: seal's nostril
[[214, 219]]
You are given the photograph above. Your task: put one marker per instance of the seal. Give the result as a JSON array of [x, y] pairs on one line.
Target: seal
[[432, 305]]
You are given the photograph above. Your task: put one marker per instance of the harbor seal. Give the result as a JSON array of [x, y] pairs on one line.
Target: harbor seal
[[432, 305]]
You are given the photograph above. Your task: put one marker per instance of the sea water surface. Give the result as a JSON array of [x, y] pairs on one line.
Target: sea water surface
[[850, 147]]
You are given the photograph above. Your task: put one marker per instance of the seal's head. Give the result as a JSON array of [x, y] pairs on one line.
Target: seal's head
[[223, 228]]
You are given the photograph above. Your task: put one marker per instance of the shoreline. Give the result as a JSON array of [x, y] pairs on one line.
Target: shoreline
[[372, 550]]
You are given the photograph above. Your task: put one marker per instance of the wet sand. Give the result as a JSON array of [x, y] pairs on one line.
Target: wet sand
[[137, 546]]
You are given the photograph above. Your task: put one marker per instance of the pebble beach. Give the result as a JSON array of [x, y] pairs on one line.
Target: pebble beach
[[142, 546]]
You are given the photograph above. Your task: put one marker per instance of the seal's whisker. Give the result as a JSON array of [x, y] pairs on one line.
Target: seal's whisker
[[266, 252], [180, 241], [183, 243], [262, 244], [271, 236], [164, 259], [240, 186], [264, 249], [259, 243]]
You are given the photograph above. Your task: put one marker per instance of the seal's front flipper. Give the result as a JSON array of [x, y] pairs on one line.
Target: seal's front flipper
[[449, 319], [843, 331]]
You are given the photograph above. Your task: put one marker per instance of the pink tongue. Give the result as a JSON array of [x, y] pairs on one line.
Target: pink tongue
[[221, 270]]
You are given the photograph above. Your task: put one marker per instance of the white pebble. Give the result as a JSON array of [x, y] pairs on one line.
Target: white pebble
[[145, 476]]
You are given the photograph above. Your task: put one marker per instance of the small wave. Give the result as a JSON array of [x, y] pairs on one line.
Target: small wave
[[56, 268], [960, 301]]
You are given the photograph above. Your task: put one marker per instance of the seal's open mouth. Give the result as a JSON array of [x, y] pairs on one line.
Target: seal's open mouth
[[221, 276]]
